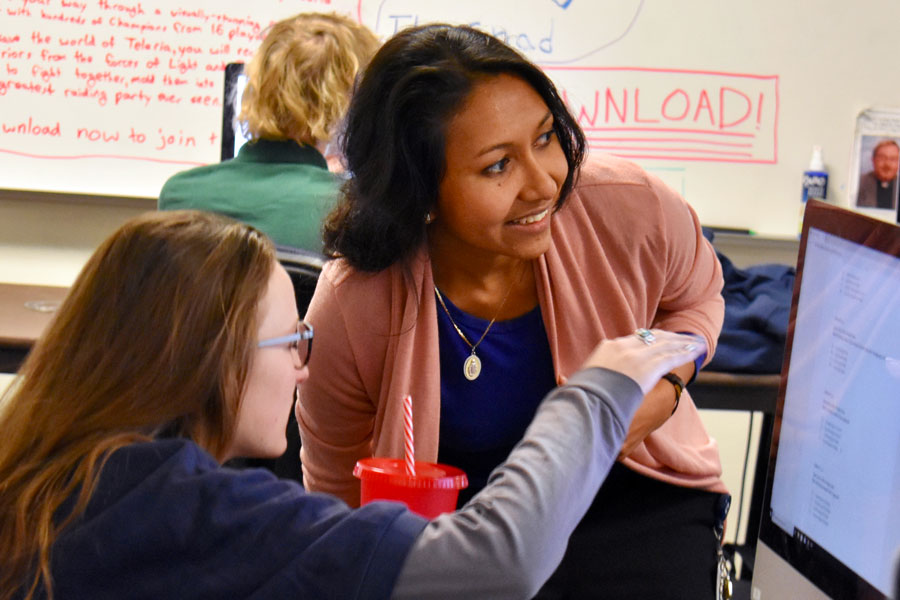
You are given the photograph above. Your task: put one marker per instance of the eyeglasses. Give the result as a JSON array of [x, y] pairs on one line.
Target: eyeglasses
[[304, 351]]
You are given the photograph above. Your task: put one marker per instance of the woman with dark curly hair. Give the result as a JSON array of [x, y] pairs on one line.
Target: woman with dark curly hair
[[480, 257]]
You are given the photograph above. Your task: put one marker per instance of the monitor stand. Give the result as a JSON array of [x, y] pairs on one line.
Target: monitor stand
[[775, 579]]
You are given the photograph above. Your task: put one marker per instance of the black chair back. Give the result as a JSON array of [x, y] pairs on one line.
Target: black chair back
[[304, 267]]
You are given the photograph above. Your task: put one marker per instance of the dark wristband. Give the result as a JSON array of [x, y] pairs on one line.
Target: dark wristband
[[698, 362], [678, 383]]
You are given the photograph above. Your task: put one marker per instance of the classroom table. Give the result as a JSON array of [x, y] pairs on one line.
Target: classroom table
[[733, 391], [25, 311]]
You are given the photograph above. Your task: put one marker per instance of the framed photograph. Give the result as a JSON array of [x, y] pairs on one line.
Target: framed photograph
[[875, 172]]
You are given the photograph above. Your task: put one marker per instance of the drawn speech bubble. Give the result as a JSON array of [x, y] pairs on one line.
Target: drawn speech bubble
[[547, 31]]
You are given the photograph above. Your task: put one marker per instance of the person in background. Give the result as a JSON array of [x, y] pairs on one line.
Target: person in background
[[878, 187], [178, 347], [477, 264], [299, 84]]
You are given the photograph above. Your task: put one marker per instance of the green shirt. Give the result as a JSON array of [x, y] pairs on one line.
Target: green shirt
[[281, 188]]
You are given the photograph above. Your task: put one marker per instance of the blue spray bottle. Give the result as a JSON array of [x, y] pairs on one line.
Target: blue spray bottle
[[815, 180]]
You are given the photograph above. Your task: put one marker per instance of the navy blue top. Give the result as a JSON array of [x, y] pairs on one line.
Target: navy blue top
[[482, 420], [166, 521]]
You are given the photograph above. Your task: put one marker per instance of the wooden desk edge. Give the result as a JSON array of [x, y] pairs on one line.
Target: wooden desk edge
[[26, 325], [735, 391]]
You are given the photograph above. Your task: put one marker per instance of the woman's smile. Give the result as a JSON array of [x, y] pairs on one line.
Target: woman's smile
[[533, 218]]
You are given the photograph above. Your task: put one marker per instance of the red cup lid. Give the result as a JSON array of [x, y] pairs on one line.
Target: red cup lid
[[428, 475]]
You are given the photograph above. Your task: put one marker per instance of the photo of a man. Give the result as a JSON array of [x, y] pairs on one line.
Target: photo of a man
[[878, 187]]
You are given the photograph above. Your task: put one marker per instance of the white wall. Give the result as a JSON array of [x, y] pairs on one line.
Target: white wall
[[46, 239]]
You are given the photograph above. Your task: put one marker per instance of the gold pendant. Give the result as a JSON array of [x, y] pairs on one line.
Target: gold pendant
[[472, 367]]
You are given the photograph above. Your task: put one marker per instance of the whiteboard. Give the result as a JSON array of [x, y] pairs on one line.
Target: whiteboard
[[723, 100]]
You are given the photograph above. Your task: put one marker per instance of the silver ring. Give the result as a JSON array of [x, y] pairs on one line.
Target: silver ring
[[645, 335]]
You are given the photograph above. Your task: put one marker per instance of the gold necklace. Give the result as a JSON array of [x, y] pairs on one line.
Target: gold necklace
[[472, 364]]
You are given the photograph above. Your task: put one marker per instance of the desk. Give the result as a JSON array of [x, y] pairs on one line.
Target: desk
[[20, 325], [752, 393], [730, 391]]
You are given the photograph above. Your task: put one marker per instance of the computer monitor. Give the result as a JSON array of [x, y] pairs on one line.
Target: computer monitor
[[232, 134], [830, 524]]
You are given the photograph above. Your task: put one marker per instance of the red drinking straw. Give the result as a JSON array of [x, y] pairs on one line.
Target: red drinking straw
[[408, 436]]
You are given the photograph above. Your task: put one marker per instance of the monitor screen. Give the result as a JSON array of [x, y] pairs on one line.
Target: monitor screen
[[232, 134], [831, 505]]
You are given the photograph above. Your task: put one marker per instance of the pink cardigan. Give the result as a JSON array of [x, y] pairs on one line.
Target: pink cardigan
[[627, 252]]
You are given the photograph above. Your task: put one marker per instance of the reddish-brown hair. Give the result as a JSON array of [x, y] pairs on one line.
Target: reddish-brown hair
[[155, 336]]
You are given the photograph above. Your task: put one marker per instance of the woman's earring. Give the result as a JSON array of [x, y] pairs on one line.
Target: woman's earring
[[429, 218]]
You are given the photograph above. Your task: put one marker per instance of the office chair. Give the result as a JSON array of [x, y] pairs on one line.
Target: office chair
[[304, 267]]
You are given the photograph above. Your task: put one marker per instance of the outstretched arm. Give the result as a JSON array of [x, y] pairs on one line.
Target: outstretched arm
[[511, 536]]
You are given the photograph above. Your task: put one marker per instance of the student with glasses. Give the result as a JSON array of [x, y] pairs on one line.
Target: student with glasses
[[179, 346]]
